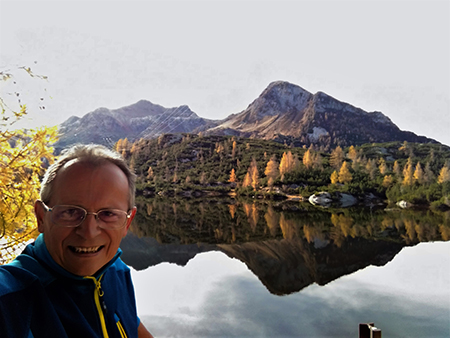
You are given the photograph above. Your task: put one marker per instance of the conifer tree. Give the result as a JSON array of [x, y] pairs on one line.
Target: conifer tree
[[233, 178], [150, 173], [272, 170], [371, 168], [288, 163], [418, 174], [255, 178], [336, 157], [383, 168], [247, 180], [119, 146], [344, 174], [308, 159], [388, 181], [253, 174], [352, 153], [334, 177], [408, 175], [428, 174], [396, 169], [203, 180], [444, 175]]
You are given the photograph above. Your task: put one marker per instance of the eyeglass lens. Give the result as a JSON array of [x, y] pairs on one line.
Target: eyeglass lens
[[71, 216]]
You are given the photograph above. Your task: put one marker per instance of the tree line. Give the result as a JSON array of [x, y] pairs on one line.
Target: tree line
[[418, 173]]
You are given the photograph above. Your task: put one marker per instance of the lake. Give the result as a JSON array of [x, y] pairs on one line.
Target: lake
[[226, 268]]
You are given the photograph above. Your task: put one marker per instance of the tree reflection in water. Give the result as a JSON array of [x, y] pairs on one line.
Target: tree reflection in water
[[287, 245]]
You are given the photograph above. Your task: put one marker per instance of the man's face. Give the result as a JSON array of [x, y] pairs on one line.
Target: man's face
[[92, 188]]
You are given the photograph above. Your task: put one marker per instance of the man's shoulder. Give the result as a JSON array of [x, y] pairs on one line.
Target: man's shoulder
[[21, 273], [14, 278]]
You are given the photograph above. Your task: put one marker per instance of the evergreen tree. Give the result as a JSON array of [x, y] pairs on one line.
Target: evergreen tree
[[428, 175]]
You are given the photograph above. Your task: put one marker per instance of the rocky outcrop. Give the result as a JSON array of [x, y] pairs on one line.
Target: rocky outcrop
[[337, 199]]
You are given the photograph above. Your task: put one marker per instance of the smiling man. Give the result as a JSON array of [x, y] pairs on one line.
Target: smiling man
[[71, 282]]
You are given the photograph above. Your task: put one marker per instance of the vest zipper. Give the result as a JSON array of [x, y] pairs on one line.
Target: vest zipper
[[99, 303]]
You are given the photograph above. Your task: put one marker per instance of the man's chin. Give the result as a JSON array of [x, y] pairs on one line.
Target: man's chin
[[86, 263]]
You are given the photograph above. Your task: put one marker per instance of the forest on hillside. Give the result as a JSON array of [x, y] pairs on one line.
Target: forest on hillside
[[172, 164]]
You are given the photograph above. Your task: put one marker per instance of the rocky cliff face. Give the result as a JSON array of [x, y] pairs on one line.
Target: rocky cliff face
[[286, 111]]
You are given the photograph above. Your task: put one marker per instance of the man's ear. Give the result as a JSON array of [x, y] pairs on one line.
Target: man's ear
[[39, 211], [130, 219]]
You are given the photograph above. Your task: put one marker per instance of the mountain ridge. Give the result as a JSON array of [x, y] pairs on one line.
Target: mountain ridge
[[284, 112]]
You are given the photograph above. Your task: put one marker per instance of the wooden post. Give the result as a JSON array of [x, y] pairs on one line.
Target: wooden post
[[368, 330]]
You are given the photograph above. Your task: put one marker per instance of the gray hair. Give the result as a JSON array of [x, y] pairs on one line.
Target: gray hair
[[93, 154]]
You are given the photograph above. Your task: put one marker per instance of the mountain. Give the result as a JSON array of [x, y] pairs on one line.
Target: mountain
[[284, 112], [140, 120]]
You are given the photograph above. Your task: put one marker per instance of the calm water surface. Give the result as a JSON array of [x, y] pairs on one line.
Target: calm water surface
[[222, 270], [215, 296]]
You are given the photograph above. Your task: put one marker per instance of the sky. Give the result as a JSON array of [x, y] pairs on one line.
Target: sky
[[218, 56]]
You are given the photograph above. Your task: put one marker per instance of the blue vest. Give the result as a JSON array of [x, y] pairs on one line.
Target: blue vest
[[38, 298]]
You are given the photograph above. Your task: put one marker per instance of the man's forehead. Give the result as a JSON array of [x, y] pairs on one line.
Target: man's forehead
[[77, 166]]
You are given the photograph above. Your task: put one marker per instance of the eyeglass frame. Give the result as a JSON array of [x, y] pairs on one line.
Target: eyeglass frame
[[99, 221]]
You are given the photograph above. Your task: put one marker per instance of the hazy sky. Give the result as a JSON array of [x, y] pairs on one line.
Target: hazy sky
[[218, 56]]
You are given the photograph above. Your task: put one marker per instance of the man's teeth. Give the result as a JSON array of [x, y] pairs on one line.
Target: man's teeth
[[86, 250]]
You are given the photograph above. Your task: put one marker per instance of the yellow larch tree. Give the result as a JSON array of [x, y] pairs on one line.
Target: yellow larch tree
[[419, 174], [288, 163], [233, 150], [388, 181], [352, 153], [396, 169], [334, 177], [271, 170], [336, 157], [254, 175], [308, 159], [344, 174], [408, 174], [233, 178], [247, 181], [383, 168], [444, 175]]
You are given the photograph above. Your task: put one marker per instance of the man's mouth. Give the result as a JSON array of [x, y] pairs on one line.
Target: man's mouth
[[85, 250]]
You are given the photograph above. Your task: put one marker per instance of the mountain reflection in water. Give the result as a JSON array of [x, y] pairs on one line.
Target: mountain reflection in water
[[288, 247]]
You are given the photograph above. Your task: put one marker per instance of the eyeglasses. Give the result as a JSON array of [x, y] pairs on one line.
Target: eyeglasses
[[72, 216]]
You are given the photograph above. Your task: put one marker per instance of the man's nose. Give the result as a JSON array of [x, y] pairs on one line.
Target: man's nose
[[89, 228]]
